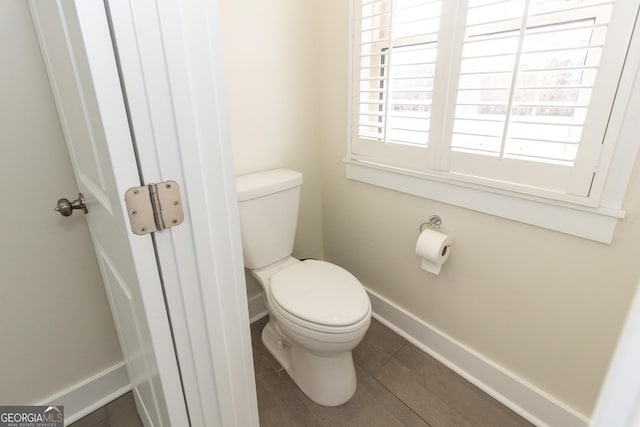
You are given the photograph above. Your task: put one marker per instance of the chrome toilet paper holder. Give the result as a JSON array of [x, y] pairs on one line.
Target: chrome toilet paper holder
[[434, 222]]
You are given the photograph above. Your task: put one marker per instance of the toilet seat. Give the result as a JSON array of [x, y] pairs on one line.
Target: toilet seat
[[320, 296]]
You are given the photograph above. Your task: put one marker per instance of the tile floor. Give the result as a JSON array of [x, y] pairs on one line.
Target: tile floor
[[398, 385], [119, 413]]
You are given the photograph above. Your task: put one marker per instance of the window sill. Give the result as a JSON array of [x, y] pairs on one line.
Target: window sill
[[590, 223]]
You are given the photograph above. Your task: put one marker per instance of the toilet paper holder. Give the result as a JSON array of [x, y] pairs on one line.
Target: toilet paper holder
[[434, 222]]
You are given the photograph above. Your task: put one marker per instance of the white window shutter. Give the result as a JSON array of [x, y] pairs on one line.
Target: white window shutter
[[536, 83], [511, 94], [395, 59], [611, 64]]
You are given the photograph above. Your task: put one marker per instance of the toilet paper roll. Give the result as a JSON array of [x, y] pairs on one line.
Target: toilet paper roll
[[433, 247]]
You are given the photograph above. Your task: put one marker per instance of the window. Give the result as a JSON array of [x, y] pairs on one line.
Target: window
[[514, 95], [509, 96]]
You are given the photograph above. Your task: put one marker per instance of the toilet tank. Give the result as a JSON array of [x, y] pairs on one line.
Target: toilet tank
[[268, 205]]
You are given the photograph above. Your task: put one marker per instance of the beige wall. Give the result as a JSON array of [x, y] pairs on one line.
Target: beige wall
[[273, 76], [544, 305], [55, 323]]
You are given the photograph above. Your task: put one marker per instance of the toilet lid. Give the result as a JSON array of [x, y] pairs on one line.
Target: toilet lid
[[321, 293]]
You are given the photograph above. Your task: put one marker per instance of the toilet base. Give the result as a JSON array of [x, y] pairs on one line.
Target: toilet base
[[275, 343], [327, 379]]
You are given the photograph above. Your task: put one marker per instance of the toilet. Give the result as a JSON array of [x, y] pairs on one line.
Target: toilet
[[318, 311]]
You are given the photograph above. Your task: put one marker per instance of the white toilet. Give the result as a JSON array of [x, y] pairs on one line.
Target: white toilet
[[318, 311]]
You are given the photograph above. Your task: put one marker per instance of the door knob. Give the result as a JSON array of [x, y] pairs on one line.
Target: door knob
[[65, 207]]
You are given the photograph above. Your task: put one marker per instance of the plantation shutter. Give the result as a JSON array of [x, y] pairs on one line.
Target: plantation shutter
[[513, 94], [530, 71], [396, 58]]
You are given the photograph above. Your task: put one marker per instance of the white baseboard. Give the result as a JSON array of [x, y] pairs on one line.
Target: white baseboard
[[257, 310], [512, 391], [93, 393]]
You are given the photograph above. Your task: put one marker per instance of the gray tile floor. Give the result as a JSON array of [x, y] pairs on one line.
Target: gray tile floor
[[398, 385], [119, 413]]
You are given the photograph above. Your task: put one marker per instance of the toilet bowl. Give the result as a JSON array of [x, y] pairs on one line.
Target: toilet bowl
[[318, 311], [308, 333]]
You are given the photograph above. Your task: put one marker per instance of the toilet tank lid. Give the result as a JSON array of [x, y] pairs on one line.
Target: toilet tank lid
[[260, 184]]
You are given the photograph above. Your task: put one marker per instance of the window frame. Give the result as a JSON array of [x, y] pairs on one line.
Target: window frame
[[591, 218]]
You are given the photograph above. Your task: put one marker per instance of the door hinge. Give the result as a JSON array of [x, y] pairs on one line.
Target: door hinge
[[597, 159], [154, 207]]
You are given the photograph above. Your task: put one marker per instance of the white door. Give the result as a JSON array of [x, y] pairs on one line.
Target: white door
[[77, 49]]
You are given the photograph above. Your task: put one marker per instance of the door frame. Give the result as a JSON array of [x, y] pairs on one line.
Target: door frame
[[619, 400], [171, 68]]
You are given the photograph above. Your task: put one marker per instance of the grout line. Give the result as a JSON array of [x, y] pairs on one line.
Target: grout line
[[401, 401], [391, 356], [374, 375], [398, 350]]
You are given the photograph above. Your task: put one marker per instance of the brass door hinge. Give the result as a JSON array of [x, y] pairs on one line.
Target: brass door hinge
[[154, 207]]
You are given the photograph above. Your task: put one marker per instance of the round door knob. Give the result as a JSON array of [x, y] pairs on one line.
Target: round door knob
[[65, 207]]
